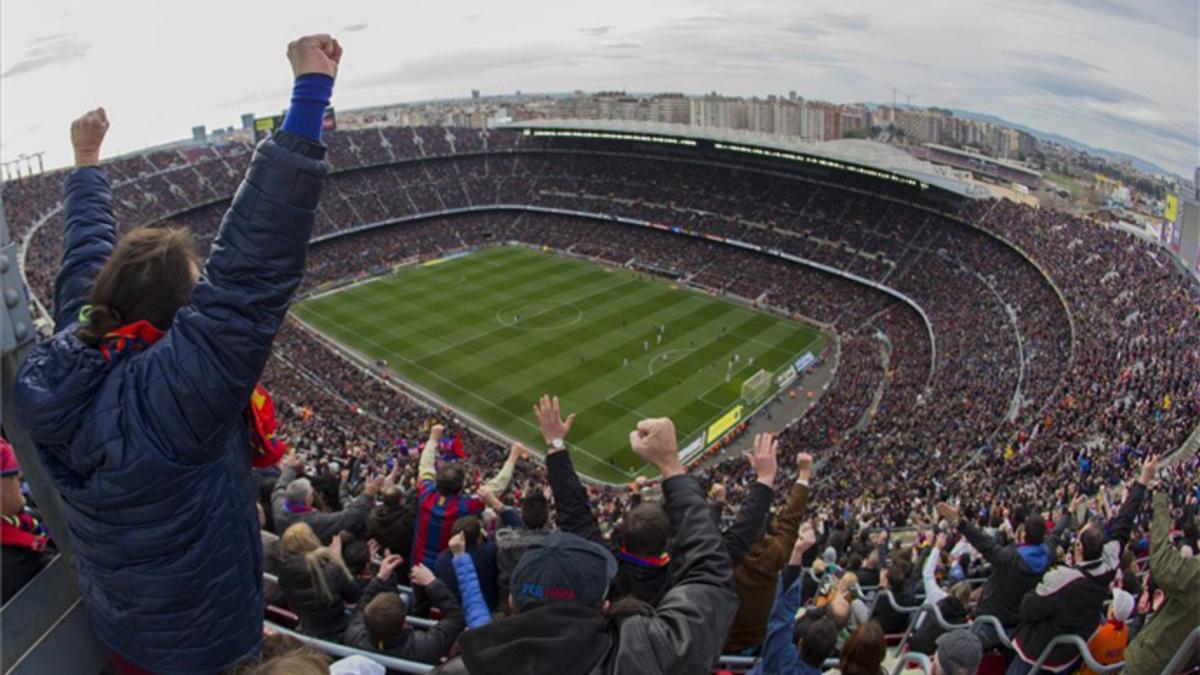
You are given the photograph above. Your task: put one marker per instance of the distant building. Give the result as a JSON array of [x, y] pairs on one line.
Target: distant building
[[248, 121], [199, 134], [474, 94]]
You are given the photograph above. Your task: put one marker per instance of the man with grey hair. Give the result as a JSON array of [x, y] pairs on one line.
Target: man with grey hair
[[291, 502]]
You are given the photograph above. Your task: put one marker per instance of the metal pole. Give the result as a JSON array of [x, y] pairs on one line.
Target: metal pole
[[16, 339]]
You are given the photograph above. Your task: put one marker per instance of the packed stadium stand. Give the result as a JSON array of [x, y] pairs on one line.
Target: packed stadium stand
[[993, 355]]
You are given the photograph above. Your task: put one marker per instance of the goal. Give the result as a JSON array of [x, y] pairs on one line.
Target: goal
[[756, 386]]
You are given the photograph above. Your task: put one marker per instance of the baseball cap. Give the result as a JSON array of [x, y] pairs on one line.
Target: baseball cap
[[958, 651], [8, 460], [562, 567], [1122, 605]]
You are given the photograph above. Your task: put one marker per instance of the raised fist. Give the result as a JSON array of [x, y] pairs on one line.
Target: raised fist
[[435, 432], [421, 576], [87, 133], [654, 441], [314, 54]]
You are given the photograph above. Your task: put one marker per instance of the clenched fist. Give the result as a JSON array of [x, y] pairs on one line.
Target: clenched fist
[[315, 54], [87, 133], [654, 441]]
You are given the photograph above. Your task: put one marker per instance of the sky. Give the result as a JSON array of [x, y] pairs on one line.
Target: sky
[[1115, 74]]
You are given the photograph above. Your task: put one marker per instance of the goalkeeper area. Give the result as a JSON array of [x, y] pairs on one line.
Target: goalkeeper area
[[488, 332]]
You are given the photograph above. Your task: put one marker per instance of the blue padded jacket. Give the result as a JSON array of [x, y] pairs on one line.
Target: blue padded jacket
[[150, 451]]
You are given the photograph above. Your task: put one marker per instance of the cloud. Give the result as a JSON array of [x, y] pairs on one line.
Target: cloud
[[1055, 60], [355, 27], [1079, 86], [1175, 15], [469, 63], [47, 51], [596, 31], [813, 27]]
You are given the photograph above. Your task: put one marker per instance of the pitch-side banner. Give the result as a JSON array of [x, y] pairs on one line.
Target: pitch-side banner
[[725, 423]]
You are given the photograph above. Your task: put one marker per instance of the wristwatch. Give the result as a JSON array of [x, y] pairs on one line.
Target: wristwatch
[[557, 443]]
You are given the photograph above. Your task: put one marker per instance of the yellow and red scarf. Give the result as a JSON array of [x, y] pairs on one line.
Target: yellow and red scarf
[[260, 412]]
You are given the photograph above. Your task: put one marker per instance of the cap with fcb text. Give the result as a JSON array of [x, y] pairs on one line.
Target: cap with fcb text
[[562, 567]]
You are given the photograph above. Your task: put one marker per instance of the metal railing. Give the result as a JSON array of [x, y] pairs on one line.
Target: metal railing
[[341, 651], [1080, 646], [1187, 650]]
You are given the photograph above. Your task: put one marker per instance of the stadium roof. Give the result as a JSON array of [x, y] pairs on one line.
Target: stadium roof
[[870, 154]]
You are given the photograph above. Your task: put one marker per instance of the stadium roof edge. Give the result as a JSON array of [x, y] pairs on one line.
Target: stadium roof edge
[[871, 154]]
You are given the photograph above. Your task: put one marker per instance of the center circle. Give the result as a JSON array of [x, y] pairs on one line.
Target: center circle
[[538, 315]]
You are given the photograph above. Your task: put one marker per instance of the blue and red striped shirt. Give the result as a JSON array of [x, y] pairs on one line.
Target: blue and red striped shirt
[[435, 519]]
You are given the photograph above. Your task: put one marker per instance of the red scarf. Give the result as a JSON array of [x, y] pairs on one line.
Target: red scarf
[[657, 561], [22, 531], [260, 412]]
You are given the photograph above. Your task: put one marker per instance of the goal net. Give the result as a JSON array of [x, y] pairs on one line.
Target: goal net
[[756, 386]]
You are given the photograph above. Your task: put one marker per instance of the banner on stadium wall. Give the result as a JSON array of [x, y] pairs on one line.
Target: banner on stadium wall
[[263, 126], [786, 377], [805, 362], [692, 449], [725, 423], [1171, 211]]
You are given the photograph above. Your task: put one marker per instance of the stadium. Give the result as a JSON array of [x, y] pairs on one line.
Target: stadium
[[923, 343]]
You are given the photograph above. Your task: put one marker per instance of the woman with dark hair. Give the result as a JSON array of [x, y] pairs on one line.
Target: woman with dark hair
[[864, 651], [145, 408]]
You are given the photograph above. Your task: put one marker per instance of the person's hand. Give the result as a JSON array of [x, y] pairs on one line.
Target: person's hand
[[948, 512], [1077, 503], [490, 499], [551, 423], [421, 576], [435, 432], [388, 567], [458, 544], [87, 133], [315, 54], [804, 463], [336, 544], [717, 493], [806, 539], [939, 542], [763, 458], [372, 549], [1149, 472], [654, 441], [516, 452], [373, 486]]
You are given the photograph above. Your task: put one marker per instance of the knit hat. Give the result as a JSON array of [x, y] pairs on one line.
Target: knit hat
[[562, 567], [8, 460], [958, 652], [1122, 605]]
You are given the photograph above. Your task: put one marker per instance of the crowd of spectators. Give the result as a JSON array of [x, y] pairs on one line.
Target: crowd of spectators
[[1050, 359]]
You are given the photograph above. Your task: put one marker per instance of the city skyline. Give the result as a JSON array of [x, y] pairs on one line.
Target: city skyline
[[1136, 95]]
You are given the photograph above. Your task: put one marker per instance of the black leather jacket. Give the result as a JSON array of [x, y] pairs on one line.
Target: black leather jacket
[[683, 635]]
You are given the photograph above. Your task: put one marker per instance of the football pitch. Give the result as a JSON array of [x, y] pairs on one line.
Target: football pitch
[[489, 332]]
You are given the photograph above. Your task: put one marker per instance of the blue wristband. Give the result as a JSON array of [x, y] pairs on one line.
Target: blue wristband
[[310, 96]]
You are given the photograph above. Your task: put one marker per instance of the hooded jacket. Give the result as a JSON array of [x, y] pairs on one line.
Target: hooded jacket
[[1016, 570], [1179, 578], [428, 645], [1070, 599], [683, 635], [150, 451]]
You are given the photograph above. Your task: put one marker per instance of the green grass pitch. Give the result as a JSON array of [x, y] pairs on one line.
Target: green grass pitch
[[585, 332]]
